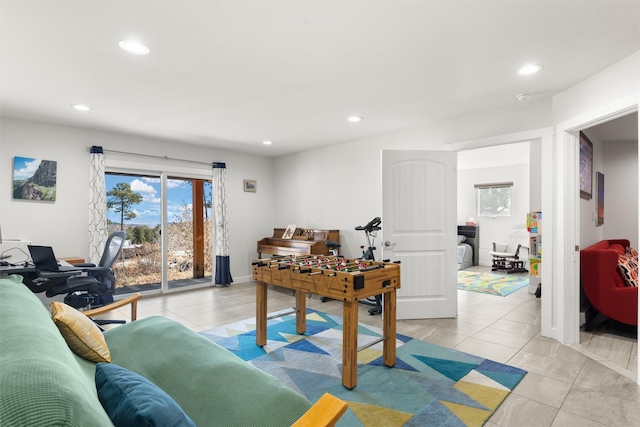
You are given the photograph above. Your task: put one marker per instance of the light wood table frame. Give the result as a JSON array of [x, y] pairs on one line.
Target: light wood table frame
[[350, 288]]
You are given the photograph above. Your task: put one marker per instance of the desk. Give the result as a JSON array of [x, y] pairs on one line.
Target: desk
[[363, 279], [18, 269], [38, 281], [16, 250]]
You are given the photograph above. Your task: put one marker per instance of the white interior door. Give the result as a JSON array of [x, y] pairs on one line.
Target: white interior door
[[419, 229]]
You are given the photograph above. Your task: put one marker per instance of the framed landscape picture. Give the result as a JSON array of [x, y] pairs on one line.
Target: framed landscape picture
[[34, 179], [586, 167]]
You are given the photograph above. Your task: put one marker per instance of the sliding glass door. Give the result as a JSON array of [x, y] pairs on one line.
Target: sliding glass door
[[188, 232], [148, 205]]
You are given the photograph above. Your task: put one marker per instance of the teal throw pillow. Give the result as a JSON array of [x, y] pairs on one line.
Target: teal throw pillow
[[132, 400]]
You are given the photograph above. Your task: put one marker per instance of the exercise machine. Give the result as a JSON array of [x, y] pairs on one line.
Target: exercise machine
[[371, 231], [368, 253]]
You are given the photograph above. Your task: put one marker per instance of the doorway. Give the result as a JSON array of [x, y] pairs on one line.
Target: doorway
[[495, 164], [615, 157]]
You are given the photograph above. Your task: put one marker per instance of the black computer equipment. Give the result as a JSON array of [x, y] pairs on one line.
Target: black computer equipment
[[45, 260]]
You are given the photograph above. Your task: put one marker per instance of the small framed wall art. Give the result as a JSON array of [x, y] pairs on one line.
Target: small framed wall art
[[600, 198], [250, 185]]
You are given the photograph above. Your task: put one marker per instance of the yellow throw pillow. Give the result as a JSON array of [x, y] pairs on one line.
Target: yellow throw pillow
[[83, 337]]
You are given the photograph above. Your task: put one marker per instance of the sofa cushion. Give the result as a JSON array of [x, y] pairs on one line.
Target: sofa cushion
[[41, 380], [628, 269], [212, 385], [132, 400], [82, 335]]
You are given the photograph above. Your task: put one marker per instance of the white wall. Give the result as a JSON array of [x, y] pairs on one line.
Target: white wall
[[340, 186], [63, 223], [609, 94], [494, 229], [600, 94], [621, 191], [535, 176]]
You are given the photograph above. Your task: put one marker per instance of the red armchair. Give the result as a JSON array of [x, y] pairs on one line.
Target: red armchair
[[603, 285]]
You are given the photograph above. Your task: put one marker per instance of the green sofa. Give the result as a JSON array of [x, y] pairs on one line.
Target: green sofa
[[43, 383]]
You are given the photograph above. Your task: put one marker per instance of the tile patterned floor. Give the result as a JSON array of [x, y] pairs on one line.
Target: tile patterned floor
[[590, 384]]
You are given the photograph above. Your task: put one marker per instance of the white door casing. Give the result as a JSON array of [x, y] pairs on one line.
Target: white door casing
[[419, 230]]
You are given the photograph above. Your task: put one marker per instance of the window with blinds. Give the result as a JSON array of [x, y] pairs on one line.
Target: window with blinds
[[493, 200]]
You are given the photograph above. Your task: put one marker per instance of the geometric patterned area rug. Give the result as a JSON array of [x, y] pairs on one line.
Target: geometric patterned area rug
[[493, 284], [430, 385]]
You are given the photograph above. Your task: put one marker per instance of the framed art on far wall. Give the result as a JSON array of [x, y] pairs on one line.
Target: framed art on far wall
[[250, 185], [600, 198], [586, 167]]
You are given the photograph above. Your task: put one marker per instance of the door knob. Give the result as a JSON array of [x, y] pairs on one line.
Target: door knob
[[387, 243]]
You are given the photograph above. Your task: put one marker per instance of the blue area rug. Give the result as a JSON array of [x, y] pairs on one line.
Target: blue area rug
[[430, 385]]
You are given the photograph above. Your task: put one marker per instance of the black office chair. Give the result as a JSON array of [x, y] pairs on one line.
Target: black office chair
[[97, 288]]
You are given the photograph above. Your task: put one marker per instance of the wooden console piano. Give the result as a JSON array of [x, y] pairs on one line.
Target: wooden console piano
[[342, 279], [303, 242]]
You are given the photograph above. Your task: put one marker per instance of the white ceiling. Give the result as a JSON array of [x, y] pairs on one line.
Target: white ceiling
[[231, 74], [623, 129]]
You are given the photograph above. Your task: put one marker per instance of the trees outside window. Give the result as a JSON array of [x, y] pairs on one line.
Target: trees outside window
[[494, 200], [121, 199]]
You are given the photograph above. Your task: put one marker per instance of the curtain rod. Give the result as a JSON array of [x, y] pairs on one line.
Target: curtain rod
[[153, 157]]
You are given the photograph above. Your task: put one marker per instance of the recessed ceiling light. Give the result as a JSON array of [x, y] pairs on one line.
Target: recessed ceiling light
[[355, 119], [134, 46], [267, 142], [529, 69], [81, 107]]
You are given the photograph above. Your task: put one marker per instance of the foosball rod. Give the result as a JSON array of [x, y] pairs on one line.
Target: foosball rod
[[372, 343]]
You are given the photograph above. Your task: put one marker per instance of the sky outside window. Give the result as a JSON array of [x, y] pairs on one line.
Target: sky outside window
[[148, 211]]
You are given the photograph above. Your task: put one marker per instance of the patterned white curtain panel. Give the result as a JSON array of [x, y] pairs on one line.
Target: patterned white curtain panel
[[97, 205], [220, 230]]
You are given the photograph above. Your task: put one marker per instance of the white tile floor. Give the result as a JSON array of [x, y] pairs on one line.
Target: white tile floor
[[565, 386]]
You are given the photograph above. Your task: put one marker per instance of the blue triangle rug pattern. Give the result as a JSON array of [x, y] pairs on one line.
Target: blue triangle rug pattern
[[430, 385]]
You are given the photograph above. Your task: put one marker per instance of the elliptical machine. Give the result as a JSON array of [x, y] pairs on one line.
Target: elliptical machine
[[371, 231]]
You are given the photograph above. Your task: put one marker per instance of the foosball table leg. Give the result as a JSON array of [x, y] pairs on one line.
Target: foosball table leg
[[301, 312], [389, 329], [261, 313], [350, 344]]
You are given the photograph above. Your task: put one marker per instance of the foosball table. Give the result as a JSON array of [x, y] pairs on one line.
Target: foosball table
[[338, 278]]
